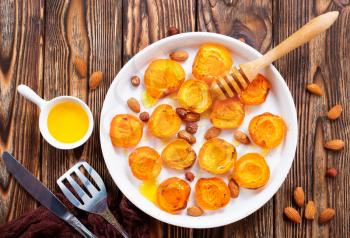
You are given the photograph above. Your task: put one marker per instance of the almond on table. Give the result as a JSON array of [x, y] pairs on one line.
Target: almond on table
[[80, 66], [326, 215], [310, 210], [299, 196], [334, 145], [292, 214], [314, 89], [95, 79], [335, 112]]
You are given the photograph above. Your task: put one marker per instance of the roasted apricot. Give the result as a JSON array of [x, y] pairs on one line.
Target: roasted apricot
[[164, 122], [211, 61], [217, 156], [178, 154], [227, 114], [267, 130], [172, 194], [125, 130], [251, 171], [212, 193], [194, 95], [162, 77], [145, 163], [256, 91]]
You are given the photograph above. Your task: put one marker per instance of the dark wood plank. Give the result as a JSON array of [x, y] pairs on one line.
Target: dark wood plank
[[324, 62], [21, 62], [251, 22], [145, 22]]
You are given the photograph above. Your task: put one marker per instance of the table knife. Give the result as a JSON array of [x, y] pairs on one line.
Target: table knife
[[42, 194]]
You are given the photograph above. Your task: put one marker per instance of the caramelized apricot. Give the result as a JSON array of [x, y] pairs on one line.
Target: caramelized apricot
[[251, 171], [217, 156], [125, 130], [211, 61], [267, 130], [178, 155], [256, 91], [194, 95], [164, 122], [172, 194], [162, 77], [212, 193], [227, 114], [145, 163]]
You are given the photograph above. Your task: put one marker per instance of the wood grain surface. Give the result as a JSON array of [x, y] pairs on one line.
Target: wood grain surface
[[40, 39]]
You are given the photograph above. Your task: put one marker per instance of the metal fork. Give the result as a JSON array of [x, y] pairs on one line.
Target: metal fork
[[96, 202]]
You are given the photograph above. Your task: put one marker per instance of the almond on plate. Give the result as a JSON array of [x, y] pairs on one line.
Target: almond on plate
[[310, 210], [326, 215], [335, 112], [299, 196], [234, 188], [241, 137], [194, 211], [314, 89], [179, 55], [134, 105], [292, 214], [212, 132], [334, 145]]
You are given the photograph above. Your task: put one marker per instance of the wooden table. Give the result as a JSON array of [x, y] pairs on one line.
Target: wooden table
[[39, 39]]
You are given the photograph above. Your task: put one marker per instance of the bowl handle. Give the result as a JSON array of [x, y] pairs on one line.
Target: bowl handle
[[29, 94]]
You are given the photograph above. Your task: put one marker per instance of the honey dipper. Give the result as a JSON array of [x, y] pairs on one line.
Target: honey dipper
[[235, 81]]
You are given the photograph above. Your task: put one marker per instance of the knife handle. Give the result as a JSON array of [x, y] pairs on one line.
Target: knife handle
[[74, 222]]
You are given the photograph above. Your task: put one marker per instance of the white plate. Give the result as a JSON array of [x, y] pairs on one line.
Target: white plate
[[279, 101]]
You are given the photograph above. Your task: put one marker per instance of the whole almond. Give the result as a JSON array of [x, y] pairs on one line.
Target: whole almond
[[95, 79], [191, 127], [292, 214], [326, 215], [135, 80], [192, 117], [173, 31], [334, 145], [331, 172], [299, 196], [186, 136], [310, 210], [179, 55], [335, 112], [80, 66], [181, 112], [314, 89], [189, 176], [144, 116], [234, 188], [194, 211], [241, 137], [134, 105], [212, 132]]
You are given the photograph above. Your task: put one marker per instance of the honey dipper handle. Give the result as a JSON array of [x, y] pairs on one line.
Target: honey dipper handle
[[309, 31]]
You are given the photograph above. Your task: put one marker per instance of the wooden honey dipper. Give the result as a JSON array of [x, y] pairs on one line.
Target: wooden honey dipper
[[234, 82]]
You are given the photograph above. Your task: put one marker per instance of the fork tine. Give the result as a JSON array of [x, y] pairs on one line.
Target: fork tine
[[68, 193], [81, 193], [95, 176], [90, 187]]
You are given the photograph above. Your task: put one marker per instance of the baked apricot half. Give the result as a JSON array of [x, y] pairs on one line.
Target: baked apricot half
[[194, 95], [125, 130], [162, 77], [164, 122], [267, 130], [251, 171], [212, 193], [217, 156], [227, 114], [256, 91], [178, 154], [211, 61], [172, 194], [145, 163]]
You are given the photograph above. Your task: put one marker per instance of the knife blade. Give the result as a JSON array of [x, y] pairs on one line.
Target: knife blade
[[42, 194]]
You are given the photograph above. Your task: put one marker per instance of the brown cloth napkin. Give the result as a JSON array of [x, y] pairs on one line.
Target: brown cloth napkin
[[43, 223]]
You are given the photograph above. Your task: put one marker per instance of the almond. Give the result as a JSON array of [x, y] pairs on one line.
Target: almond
[[241, 137], [189, 176], [331, 172], [194, 211], [134, 105], [186, 136], [144, 116], [212, 132], [326, 215], [310, 210], [334, 145], [135, 80], [191, 127], [234, 189], [80, 66], [192, 117], [314, 89], [95, 79], [299, 196], [181, 112], [292, 214], [179, 55], [335, 112], [173, 31]]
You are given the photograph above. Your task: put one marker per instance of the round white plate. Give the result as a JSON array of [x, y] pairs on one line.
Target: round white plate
[[279, 101]]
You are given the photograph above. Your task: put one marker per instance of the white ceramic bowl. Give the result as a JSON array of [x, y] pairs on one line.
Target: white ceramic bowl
[[279, 101]]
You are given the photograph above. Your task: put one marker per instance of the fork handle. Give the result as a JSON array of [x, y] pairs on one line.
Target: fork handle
[[108, 216], [74, 222]]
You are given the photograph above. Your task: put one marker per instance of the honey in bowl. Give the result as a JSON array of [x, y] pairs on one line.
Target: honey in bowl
[[67, 122]]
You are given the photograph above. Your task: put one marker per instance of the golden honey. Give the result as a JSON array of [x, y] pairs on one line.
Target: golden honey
[[149, 190]]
